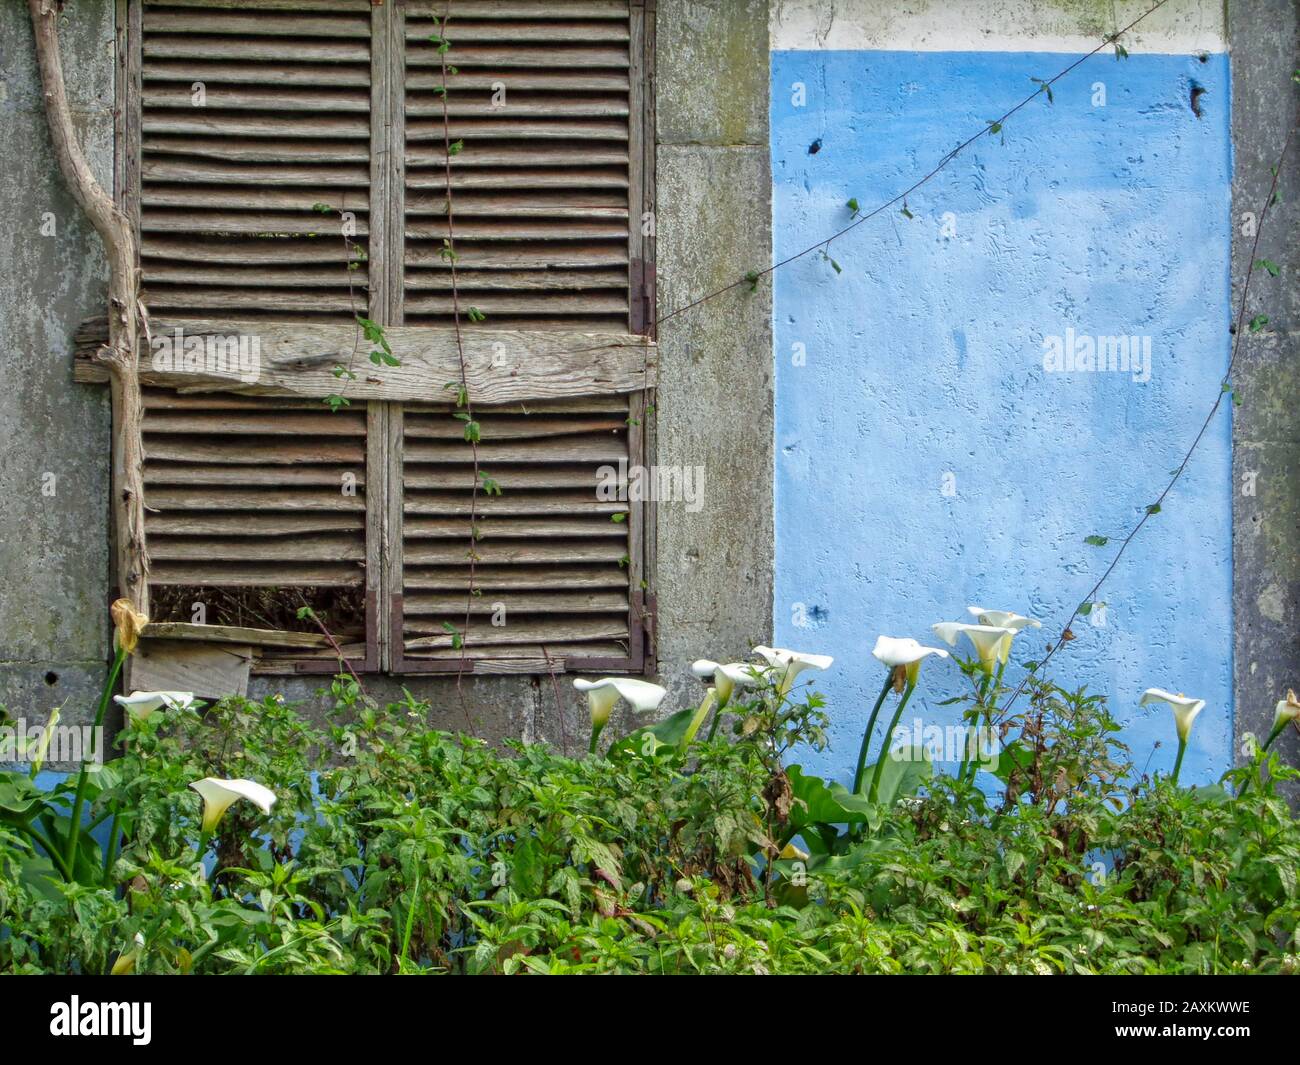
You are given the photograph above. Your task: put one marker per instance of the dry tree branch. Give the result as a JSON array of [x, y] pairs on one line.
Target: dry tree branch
[[121, 355]]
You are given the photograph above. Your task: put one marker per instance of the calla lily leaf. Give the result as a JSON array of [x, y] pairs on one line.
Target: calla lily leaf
[[665, 736], [862, 851], [817, 802], [100, 779], [19, 797], [38, 875], [902, 776], [1012, 755]]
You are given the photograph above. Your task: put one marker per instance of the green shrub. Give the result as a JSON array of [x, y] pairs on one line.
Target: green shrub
[[396, 848]]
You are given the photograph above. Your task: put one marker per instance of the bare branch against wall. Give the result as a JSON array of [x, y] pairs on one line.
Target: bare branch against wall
[[121, 355]]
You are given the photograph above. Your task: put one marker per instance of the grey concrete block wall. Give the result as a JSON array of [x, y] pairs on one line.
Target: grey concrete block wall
[[54, 433], [715, 400], [713, 581], [1265, 39]]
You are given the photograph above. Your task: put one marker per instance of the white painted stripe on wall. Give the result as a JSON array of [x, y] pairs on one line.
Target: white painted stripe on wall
[[1181, 27]]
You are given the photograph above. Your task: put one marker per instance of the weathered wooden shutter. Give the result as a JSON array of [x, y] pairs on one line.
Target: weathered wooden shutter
[[250, 138], [249, 127], [546, 200], [554, 577]]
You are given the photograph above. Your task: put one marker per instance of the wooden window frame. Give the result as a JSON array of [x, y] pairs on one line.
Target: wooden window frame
[[628, 361]]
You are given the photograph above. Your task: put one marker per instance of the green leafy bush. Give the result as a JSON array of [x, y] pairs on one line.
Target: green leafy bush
[[394, 848]]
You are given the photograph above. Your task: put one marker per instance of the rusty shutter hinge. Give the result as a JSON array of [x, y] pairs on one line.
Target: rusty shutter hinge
[[650, 633], [643, 310]]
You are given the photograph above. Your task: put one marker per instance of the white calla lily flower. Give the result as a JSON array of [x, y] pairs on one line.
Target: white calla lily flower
[[1287, 710], [1003, 619], [600, 701], [992, 643], [125, 964], [604, 693], [1184, 707], [218, 794], [905, 652], [791, 663], [725, 677], [139, 705], [893, 651]]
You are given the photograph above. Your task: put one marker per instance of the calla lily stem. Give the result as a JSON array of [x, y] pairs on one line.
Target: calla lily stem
[[698, 719], [110, 852], [1178, 762], [1272, 736], [205, 840], [74, 822], [55, 857], [866, 736], [889, 732], [713, 725]]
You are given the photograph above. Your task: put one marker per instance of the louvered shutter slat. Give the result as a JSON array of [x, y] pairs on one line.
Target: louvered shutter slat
[[158, 70], [182, 474], [492, 579]]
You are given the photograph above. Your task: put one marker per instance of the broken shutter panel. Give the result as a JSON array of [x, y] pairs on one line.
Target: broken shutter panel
[[251, 117], [553, 568], [540, 99], [254, 506]]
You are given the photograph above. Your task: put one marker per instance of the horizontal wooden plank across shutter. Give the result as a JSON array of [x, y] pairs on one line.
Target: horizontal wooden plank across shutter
[[539, 96], [254, 138], [553, 579]]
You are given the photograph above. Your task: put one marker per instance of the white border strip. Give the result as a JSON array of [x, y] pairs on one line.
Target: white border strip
[[1181, 27]]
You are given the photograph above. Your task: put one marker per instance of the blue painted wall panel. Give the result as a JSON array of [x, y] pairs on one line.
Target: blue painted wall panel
[[924, 358]]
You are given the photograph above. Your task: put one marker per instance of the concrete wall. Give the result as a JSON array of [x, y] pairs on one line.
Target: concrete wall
[[714, 576], [930, 455], [53, 466], [1265, 39]]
